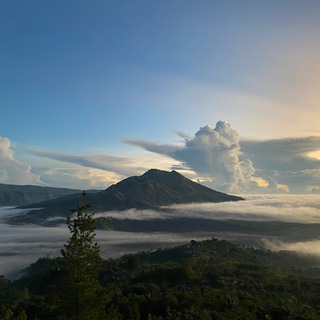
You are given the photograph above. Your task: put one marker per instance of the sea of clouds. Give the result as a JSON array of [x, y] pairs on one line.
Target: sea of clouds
[[21, 245], [270, 207]]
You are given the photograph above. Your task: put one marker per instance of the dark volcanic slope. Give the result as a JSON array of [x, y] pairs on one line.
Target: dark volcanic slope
[[153, 189], [160, 188]]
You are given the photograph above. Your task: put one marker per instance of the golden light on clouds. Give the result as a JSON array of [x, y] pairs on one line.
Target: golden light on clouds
[[261, 182], [283, 187], [315, 154]]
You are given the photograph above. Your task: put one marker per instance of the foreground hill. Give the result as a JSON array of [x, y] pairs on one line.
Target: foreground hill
[[208, 280], [152, 190], [18, 195]]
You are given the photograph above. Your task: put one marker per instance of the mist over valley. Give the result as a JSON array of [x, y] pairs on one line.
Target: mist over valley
[[276, 222]]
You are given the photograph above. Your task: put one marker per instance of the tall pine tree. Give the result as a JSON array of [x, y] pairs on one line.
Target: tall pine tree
[[81, 265]]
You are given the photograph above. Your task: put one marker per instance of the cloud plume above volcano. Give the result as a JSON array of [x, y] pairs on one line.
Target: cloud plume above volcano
[[214, 153], [222, 160]]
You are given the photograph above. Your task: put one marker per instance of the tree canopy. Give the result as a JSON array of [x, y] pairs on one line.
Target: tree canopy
[[80, 263]]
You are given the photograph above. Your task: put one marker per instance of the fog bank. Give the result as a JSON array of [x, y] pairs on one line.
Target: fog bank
[[286, 208], [21, 245]]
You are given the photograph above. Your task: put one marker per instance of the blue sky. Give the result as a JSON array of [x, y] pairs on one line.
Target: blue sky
[[225, 92]]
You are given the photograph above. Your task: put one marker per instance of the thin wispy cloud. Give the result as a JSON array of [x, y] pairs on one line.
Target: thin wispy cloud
[[76, 176], [91, 170], [109, 163], [289, 161]]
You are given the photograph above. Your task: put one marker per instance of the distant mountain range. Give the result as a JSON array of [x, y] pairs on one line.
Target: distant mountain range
[[153, 189], [17, 195]]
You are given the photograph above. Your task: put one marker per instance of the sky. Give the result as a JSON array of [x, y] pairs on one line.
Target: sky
[[225, 92]]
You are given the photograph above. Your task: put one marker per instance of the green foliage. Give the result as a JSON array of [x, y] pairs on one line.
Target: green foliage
[[81, 264], [214, 280], [111, 223], [6, 290], [208, 280]]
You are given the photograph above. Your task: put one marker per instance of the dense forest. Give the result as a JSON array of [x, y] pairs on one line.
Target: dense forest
[[211, 279], [205, 280]]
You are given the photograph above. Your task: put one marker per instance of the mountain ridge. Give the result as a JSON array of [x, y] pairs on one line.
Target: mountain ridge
[[152, 190], [18, 195]]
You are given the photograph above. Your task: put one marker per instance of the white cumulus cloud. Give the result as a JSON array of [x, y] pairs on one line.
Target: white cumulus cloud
[[13, 171], [216, 152], [212, 152]]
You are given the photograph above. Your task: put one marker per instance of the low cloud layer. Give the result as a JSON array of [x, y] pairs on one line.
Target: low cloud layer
[[13, 171], [305, 247], [24, 244], [285, 208]]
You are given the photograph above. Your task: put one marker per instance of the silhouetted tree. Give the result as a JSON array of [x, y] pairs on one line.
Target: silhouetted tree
[[81, 265]]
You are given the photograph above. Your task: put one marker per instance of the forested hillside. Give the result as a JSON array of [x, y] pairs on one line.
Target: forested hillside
[[17, 195], [205, 280]]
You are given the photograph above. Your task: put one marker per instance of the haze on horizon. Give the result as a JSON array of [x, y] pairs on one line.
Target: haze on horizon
[[227, 93]]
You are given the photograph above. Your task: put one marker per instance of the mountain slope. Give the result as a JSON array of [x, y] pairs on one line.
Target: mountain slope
[[152, 190], [17, 195], [160, 188]]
